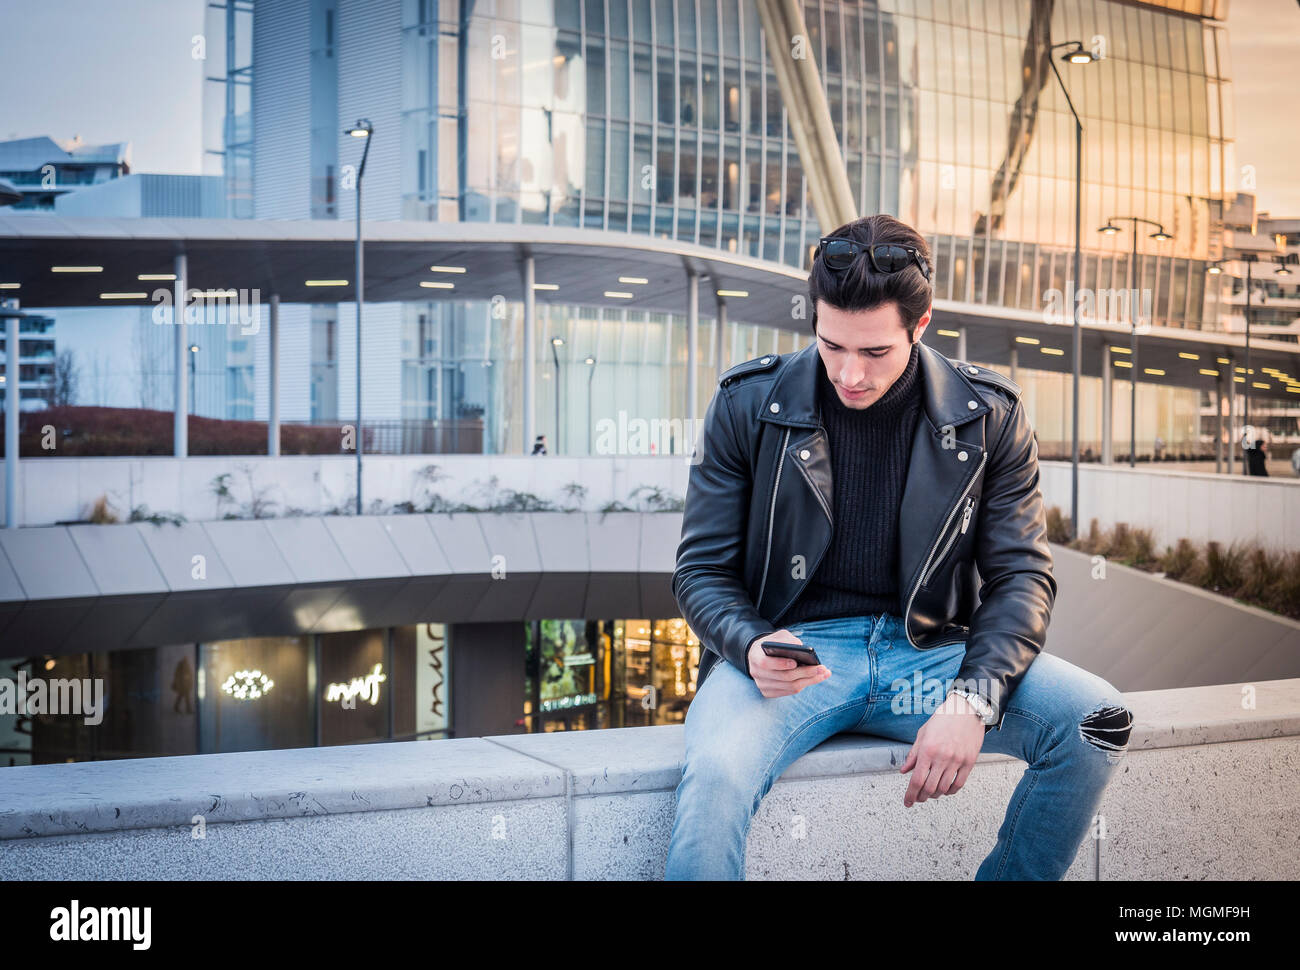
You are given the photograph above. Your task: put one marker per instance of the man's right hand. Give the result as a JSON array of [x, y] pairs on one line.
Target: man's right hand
[[780, 676]]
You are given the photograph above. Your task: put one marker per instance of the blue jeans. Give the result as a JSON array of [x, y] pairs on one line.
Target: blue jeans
[[1069, 726]]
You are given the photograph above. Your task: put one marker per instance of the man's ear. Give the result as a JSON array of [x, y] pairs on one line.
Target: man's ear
[[922, 324]]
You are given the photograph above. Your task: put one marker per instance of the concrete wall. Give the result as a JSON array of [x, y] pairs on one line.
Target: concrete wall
[[64, 489], [1175, 504], [1198, 797]]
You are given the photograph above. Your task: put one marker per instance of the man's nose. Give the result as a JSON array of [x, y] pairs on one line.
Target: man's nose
[[852, 376]]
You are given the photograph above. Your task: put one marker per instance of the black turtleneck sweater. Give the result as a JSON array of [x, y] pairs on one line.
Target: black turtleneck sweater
[[870, 448]]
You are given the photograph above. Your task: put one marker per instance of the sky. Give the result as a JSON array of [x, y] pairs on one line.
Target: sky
[[124, 70], [109, 71]]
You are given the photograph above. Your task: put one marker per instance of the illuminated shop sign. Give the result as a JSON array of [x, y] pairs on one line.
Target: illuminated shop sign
[[367, 688], [564, 703], [247, 685]]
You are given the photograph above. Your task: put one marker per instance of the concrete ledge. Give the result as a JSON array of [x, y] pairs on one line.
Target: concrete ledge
[[1198, 797]]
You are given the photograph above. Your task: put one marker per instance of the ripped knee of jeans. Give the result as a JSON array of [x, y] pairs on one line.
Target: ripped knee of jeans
[[1108, 728]]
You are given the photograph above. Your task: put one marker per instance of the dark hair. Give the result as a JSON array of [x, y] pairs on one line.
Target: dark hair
[[860, 287]]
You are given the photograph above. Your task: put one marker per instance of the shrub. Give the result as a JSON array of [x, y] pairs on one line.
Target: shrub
[[102, 512], [1058, 526], [97, 431], [1181, 562], [1223, 569]]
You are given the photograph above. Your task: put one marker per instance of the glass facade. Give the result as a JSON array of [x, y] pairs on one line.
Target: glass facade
[[355, 687], [228, 100], [590, 674], [239, 695], [665, 118]]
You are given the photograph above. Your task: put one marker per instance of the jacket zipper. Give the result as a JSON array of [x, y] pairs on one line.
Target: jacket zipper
[[947, 522], [771, 518], [965, 524]]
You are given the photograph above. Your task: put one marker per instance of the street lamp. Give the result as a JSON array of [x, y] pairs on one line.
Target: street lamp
[[1075, 54], [362, 129], [556, 343], [1109, 229], [591, 373], [1215, 268], [194, 355]]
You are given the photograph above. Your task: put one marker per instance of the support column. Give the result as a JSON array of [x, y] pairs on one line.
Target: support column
[[273, 410], [1233, 443], [12, 403], [530, 355], [720, 339], [1107, 406], [1015, 364], [1218, 424], [692, 341], [961, 344], [180, 382]]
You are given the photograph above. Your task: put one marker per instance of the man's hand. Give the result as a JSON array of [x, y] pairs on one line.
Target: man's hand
[[779, 676], [944, 751]]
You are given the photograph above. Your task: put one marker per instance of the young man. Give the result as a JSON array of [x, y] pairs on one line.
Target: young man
[[878, 502]]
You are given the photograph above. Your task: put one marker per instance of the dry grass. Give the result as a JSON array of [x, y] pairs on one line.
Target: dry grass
[[102, 513], [1245, 572]]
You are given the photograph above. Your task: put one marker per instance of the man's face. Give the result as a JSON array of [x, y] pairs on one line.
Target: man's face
[[864, 351]]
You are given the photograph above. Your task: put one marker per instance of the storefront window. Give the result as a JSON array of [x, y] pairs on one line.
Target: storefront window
[[660, 660], [253, 694], [421, 687], [563, 674], [354, 687]]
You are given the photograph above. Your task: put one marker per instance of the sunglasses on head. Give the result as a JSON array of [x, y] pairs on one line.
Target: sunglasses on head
[[885, 258]]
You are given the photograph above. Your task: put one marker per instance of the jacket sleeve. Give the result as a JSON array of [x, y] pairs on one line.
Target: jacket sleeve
[[1017, 588], [708, 581]]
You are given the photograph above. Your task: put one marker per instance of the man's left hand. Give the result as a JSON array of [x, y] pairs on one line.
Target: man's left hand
[[944, 751]]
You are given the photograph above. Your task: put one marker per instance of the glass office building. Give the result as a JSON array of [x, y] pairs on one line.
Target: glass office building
[[665, 118]]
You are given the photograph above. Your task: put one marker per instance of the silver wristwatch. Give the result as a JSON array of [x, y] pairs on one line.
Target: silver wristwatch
[[986, 712]]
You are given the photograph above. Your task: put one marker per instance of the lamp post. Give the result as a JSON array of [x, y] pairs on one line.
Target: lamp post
[[1076, 54], [556, 343], [1249, 259], [1110, 229], [1215, 268], [362, 129], [591, 373], [194, 354]]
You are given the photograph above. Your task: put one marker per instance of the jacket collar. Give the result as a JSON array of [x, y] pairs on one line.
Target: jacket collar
[[947, 395]]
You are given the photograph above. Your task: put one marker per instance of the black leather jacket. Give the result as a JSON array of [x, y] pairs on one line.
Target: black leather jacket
[[974, 561]]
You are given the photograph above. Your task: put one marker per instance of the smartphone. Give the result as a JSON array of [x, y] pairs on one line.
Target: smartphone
[[804, 656]]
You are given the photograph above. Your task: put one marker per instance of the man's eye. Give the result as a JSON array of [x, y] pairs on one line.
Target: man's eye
[[882, 354]]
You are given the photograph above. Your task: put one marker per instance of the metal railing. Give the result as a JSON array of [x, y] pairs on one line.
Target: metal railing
[[414, 436]]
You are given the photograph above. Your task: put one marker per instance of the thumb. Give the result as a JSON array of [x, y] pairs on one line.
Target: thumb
[[910, 762]]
